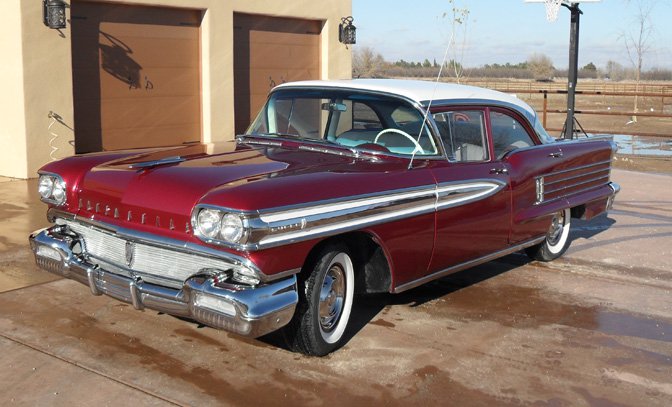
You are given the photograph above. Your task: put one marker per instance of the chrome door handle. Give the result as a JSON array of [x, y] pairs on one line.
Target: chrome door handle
[[557, 154], [499, 171]]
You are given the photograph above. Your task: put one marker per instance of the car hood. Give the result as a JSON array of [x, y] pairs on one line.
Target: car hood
[[159, 189]]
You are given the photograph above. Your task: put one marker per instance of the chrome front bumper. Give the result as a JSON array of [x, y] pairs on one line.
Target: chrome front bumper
[[250, 312]]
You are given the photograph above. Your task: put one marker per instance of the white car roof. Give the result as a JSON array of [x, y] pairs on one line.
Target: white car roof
[[423, 91]]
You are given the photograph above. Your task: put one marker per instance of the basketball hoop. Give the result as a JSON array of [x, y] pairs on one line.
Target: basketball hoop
[[552, 8]]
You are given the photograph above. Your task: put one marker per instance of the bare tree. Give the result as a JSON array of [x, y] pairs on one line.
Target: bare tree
[[459, 17], [638, 41], [540, 66], [367, 63]]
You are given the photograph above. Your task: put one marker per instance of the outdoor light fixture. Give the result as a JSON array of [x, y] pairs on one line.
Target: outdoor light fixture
[[53, 13], [347, 32]]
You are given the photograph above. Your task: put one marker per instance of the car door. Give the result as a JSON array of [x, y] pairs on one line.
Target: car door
[[474, 201], [517, 146]]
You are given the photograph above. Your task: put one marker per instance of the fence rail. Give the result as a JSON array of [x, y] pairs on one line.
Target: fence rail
[[651, 91]]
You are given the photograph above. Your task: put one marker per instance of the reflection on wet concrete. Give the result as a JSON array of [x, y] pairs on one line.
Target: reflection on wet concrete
[[630, 325], [21, 212]]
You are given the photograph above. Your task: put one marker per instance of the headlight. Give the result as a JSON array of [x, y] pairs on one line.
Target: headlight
[[232, 228], [51, 189], [58, 192], [209, 222], [45, 186]]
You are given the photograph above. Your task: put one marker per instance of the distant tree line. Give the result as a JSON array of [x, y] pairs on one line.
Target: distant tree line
[[369, 64]]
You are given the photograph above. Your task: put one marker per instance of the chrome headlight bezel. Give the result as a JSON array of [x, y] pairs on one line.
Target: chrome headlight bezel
[[209, 223], [55, 192], [228, 219]]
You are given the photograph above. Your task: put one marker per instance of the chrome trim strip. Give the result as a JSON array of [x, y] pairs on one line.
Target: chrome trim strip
[[573, 193], [342, 227], [466, 265], [579, 168], [578, 176], [576, 184], [450, 195], [281, 215], [285, 225]]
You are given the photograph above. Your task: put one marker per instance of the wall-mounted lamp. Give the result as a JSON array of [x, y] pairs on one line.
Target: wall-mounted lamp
[[53, 13], [347, 32]]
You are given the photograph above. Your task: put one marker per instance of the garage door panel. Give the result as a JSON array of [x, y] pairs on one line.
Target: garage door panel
[[155, 82], [150, 52], [260, 79], [281, 57], [155, 136], [135, 67], [129, 112], [267, 52]]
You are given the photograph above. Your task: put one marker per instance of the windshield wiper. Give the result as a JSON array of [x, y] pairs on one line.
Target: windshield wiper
[[278, 134]]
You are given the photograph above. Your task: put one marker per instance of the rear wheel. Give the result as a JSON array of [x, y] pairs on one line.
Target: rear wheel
[[325, 303], [557, 238]]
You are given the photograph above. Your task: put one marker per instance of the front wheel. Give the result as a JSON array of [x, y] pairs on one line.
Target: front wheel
[[325, 302], [557, 238]]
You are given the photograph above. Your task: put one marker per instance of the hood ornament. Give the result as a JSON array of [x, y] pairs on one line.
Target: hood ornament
[[130, 253]]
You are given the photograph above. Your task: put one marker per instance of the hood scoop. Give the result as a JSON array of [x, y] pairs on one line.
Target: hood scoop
[[155, 163]]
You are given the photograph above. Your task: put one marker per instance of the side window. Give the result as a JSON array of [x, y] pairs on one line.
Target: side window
[[463, 134], [364, 118], [507, 134]]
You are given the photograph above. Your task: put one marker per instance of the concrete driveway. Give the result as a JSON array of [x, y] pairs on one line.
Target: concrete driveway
[[593, 328]]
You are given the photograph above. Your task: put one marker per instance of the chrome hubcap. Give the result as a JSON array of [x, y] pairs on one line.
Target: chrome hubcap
[[332, 297], [555, 231]]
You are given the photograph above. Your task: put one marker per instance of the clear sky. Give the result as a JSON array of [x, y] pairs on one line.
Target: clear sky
[[501, 31]]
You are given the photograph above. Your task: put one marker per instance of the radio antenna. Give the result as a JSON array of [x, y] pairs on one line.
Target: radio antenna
[[429, 105]]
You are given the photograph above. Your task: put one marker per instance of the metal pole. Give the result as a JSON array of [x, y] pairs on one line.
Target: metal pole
[[573, 72], [543, 122]]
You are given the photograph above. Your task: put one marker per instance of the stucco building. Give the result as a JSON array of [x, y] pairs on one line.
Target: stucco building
[[140, 73]]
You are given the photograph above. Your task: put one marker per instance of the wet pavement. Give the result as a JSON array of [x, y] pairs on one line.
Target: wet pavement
[[593, 328]]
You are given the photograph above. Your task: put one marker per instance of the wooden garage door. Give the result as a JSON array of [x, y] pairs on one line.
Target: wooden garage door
[[136, 76], [269, 51]]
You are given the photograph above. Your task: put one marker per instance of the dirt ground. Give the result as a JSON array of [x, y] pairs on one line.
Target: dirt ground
[[660, 165], [593, 328]]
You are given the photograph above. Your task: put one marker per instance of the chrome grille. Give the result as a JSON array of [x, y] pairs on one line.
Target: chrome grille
[[153, 264]]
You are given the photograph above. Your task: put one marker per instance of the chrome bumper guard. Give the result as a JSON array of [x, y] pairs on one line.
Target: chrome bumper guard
[[250, 312], [615, 190]]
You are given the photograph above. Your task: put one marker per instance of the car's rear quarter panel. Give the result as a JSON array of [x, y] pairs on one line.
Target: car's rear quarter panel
[[574, 173]]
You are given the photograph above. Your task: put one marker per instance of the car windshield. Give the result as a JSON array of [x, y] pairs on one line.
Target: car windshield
[[348, 118]]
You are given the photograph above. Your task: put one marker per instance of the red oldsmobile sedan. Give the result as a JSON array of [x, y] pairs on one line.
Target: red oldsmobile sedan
[[337, 188]]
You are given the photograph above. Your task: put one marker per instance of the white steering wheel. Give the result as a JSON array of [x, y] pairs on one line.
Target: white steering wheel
[[417, 149]]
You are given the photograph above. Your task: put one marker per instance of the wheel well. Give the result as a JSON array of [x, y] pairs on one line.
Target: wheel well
[[578, 212], [372, 271]]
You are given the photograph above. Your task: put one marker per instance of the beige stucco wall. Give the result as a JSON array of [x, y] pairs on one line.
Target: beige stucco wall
[[38, 76], [12, 119]]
